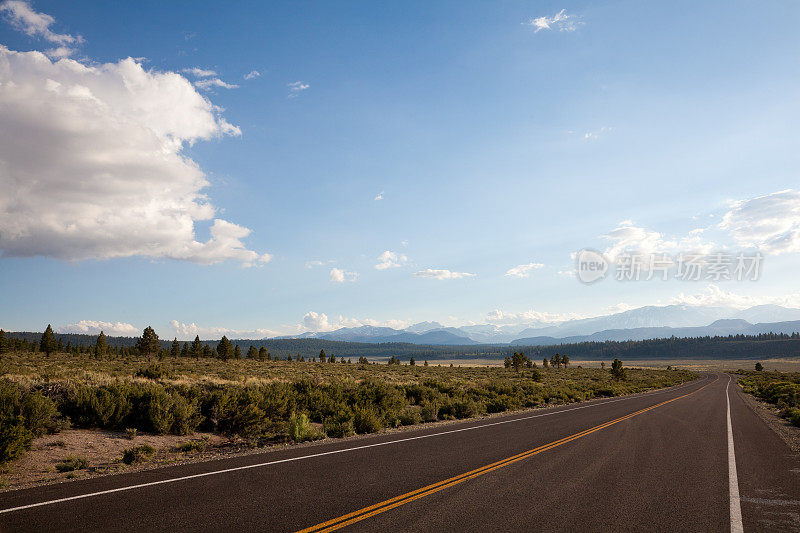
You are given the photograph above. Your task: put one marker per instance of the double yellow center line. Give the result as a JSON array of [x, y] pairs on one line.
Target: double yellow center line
[[397, 501]]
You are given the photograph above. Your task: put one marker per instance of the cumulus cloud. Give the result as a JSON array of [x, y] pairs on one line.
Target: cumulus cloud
[[530, 317], [189, 331], [379, 196], [340, 276], [523, 271], [316, 322], [561, 21], [628, 238], [253, 74], [22, 16], [770, 223], [713, 295], [442, 274], [207, 84], [92, 163], [389, 259], [297, 87], [198, 72], [94, 327]]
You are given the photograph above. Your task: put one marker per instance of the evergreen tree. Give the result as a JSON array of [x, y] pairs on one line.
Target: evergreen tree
[[759, 367], [252, 353], [206, 351], [148, 343], [517, 361], [617, 371], [426, 363], [565, 360], [101, 345], [175, 349], [48, 343], [507, 362], [185, 350], [545, 362], [3, 343], [237, 352], [289, 358], [412, 362], [322, 356], [197, 347], [332, 359], [262, 354], [224, 349]]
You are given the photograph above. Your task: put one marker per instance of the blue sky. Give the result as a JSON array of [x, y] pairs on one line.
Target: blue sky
[[492, 135]]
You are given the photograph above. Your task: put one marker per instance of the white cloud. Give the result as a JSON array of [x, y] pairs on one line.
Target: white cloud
[[94, 327], [380, 196], [566, 273], [389, 259], [596, 134], [92, 163], [523, 271], [530, 317], [561, 21], [295, 88], [253, 74], [189, 331], [207, 84], [340, 276], [313, 321], [771, 222], [199, 72], [713, 295], [442, 274], [627, 238], [314, 263], [24, 18]]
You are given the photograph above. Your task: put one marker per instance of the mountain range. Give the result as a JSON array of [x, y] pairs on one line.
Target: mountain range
[[636, 324]]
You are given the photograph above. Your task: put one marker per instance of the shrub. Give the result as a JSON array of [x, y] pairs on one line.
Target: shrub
[[154, 371], [72, 462], [366, 420], [301, 430], [410, 416], [429, 411], [23, 416], [340, 424], [192, 446], [137, 454], [130, 433]]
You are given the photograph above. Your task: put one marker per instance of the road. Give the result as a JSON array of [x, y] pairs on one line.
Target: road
[[656, 461]]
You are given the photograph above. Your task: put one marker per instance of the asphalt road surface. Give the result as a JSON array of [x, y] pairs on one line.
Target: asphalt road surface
[[662, 461]]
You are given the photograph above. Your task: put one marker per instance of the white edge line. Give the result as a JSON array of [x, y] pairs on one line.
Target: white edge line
[[733, 479], [331, 452]]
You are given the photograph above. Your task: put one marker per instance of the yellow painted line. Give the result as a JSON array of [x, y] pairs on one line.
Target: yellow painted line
[[397, 501]]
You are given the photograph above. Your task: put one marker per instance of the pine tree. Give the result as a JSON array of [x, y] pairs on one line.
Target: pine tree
[[252, 353], [237, 352], [262, 354], [175, 349], [101, 345], [3, 343], [185, 350], [617, 371], [322, 356], [148, 343], [224, 349], [565, 360], [759, 367], [412, 362], [206, 351], [332, 358], [197, 347], [48, 343], [545, 362]]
